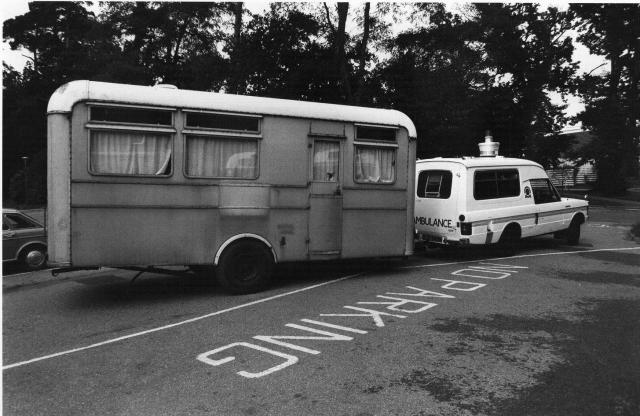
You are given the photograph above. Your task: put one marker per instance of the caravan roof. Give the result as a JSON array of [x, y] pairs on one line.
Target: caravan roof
[[65, 97]]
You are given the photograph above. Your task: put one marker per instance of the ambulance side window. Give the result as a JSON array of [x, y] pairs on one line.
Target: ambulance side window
[[434, 184], [499, 183], [543, 191]]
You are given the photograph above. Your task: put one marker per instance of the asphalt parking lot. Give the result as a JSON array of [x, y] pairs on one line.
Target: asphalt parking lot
[[552, 330]]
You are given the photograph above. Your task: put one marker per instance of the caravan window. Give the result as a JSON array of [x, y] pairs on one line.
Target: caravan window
[[229, 122], [376, 133], [130, 153], [326, 160], [131, 115], [434, 184], [497, 183], [375, 164], [221, 157]]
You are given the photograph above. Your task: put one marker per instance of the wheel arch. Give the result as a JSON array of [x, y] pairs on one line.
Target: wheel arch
[[579, 216], [245, 236], [22, 250], [514, 225]]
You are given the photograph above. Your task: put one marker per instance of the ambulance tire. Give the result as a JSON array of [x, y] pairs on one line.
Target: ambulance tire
[[508, 243], [245, 267], [573, 232]]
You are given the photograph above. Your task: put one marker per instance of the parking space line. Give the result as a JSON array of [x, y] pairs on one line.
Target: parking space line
[[420, 266], [281, 295], [175, 324]]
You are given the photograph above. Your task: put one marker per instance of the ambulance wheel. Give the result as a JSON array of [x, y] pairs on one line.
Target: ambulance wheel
[[573, 232], [509, 240], [245, 267]]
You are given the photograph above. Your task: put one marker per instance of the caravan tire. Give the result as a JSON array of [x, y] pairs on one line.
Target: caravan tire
[[245, 267]]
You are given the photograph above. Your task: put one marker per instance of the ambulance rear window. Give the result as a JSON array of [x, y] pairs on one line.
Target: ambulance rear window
[[434, 184]]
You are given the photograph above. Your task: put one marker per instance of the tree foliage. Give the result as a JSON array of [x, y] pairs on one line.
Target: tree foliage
[[612, 98], [455, 75]]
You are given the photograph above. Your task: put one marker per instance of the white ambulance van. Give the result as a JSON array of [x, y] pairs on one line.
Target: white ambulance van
[[491, 199]]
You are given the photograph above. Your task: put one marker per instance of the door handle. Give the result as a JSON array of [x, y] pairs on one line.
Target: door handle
[[567, 206]]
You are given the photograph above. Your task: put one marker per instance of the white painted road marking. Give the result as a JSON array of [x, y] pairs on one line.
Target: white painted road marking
[[198, 318], [396, 306], [175, 324]]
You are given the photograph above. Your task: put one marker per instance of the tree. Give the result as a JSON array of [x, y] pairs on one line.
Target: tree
[[282, 54], [612, 99], [436, 75], [173, 43], [530, 53], [67, 42]]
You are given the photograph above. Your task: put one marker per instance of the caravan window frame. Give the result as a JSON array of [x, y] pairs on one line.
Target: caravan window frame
[[92, 126], [325, 139], [257, 118], [362, 142], [92, 105], [220, 136]]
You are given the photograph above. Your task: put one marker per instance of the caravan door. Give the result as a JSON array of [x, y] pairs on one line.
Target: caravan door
[[325, 199]]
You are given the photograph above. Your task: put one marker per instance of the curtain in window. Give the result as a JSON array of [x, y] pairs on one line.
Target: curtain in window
[[375, 165], [130, 153], [222, 158], [326, 159]]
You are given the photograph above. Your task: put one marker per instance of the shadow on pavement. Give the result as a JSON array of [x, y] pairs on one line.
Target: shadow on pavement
[[595, 372]]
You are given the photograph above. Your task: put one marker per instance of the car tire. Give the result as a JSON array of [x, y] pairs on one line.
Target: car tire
[[34, 257], [245, 267], [573, 232], [509, 240]]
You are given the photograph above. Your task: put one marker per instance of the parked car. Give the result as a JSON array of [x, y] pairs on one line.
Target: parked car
[[23, 239]]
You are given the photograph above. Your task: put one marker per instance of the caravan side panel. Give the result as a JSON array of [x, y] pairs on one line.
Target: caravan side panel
[[58, 189]]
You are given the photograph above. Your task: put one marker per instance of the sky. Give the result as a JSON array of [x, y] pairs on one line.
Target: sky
[[587, 62]]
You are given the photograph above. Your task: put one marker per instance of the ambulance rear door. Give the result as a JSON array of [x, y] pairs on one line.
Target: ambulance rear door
[[436, 201]]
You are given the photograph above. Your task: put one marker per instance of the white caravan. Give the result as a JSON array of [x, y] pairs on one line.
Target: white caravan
[[141, 176], [491, 199]]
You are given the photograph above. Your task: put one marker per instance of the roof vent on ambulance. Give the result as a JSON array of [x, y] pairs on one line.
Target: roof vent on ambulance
[[488, 148]]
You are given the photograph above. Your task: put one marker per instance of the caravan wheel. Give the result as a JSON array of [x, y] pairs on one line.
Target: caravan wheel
[[245, 267]]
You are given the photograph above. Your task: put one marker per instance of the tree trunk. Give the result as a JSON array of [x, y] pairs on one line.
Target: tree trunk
[[362, 55], [343, 10], [235, 76]]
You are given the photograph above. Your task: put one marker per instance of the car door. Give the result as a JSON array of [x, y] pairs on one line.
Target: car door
[[549, 206], [18, 230], [9, 242]]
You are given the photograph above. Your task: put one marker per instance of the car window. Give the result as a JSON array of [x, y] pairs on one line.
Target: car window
[[499, 183], [434, 184], [5, 226], [543, 191], [18, 222]]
